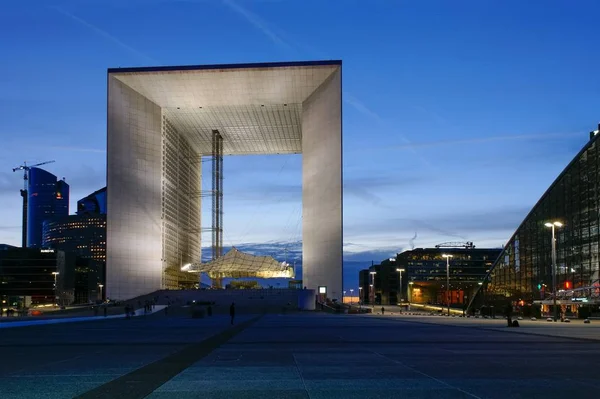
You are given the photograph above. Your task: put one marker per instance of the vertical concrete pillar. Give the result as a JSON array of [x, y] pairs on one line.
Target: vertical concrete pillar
[[134, 245], [322, 187]]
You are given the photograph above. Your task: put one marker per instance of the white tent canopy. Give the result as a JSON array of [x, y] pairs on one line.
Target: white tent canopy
[[236, 264]]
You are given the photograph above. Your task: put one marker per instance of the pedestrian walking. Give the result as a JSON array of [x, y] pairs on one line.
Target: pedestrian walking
[[232, 311], [382, 310]]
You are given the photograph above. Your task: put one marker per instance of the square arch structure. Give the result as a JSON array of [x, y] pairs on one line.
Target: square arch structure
[[159, 125]]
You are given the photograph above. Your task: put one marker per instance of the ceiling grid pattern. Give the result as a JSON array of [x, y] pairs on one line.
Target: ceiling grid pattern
[[256, 110]]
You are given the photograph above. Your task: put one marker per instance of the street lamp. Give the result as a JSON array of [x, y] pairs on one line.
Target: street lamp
[[400, 288], [351, 295], [552, 225], [55, 288], [447, 256], [101, 297], [344, 297]]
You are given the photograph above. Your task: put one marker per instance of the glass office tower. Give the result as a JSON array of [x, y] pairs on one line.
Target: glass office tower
[[48, 197], [95, 203]]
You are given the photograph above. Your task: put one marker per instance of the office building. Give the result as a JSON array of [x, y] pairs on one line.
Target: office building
[[163, 120], [48, 198], [523, 274], [80, 280], [363, 286], [425, 273], [94, 204], [384, 284], [83, 235], [26, 275], [33, 276], [419, 276]]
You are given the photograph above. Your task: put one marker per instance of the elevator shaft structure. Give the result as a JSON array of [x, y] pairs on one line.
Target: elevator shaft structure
[[217, 197]]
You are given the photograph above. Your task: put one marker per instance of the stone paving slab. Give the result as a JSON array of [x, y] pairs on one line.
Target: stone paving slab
[[66, 360], [294, 356], [228, 394], [575, 329]]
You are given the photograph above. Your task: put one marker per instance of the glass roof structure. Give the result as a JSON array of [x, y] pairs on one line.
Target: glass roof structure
[[237, 264]]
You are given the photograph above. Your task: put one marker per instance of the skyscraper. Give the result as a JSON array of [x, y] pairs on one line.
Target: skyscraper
[[83, 238], [48, 197], [95, 203]]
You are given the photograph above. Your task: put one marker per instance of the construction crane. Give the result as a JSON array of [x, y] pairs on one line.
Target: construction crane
[[25, 168], [467, 245]]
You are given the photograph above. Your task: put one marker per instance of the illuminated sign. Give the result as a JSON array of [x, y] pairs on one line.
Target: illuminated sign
[[322, 290], [50, 251]]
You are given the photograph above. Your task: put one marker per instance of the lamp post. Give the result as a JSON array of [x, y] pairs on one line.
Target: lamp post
[[552, 225], [55, 288], [447, 256], [344, 297], [400, 282], [101, 286], [351, 295]]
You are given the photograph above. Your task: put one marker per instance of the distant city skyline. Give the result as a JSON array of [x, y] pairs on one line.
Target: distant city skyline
[[455, 120]]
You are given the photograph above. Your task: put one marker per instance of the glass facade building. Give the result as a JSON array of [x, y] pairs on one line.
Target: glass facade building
[[82, 235], [79, 279], [27, 272], [384, 287], [419, 276], [95, 203], [522, 274], [426, 278], [48, 197]]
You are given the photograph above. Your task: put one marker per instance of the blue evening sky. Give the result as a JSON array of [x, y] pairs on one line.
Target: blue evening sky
[[457, 114]]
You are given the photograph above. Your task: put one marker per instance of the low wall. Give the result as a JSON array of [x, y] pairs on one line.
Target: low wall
[[268, 299]]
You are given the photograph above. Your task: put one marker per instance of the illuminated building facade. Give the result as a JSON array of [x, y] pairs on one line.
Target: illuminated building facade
[[48, 198], [419, 276], [83, 235], [162, 121], [425, 278], [522, 275]]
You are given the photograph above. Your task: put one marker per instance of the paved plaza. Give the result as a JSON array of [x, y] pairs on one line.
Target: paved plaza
[[311, 355]]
